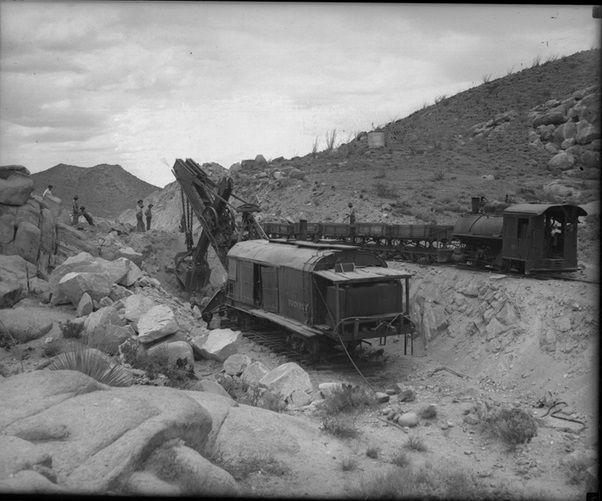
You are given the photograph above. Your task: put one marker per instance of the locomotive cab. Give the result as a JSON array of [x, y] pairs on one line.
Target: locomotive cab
[[541, 237]]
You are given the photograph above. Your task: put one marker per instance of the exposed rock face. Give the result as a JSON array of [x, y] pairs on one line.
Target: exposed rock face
[[22, 327], [15, 273], [15, 189]]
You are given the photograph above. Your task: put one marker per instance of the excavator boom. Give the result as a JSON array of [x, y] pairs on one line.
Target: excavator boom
[[210, 202]]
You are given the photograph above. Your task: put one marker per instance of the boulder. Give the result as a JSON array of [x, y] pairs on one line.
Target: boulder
[[586, 132], [16, 189], [85, 306], [554, 116], [23, 326], [174, 350], [567, 130], [73, 285], [253, 373], [287, 378], [119, 292], [298, 399], [108, 338], [409, 419], [8, 170], [220, 344], [104, 316], [156, 323], [210, 386], [7, 228], [137, 305], [131, 254], [236, 364], [562, 161], [27, 241], [591, 159], [59, 408], [84, 262]]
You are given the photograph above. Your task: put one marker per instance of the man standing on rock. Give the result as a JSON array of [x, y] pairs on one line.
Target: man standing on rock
[[75, 211], [149, 215], [140, 217]]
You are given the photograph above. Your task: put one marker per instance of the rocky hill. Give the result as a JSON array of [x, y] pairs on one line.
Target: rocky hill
[[532, 135], [105, 190]]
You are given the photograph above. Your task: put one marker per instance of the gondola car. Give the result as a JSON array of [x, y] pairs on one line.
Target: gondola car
[[317, 292]]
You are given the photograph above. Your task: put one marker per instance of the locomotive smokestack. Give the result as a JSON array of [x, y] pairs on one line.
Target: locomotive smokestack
[[302, 229], [475, 204]]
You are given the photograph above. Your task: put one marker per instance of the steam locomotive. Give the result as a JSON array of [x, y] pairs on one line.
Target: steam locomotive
[[528, 238]]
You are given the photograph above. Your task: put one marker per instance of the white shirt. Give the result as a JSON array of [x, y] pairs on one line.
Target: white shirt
[[47, 193]]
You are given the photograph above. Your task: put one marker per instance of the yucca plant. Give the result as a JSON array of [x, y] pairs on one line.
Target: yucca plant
[[93, 363]]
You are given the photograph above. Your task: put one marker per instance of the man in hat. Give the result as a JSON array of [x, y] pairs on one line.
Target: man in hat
[[149, 215], [86, 214], [140, 217], [75, 211]]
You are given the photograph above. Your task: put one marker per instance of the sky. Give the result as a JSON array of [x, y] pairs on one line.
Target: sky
[[143, 83]]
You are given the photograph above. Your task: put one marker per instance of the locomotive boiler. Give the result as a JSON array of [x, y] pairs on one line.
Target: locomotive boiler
[[319, 293]]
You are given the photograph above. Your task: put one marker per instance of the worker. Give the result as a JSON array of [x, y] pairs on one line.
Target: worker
[[87, 216], [47, 191], [140, 217], [75, 210], [149, 215], [351, 214]]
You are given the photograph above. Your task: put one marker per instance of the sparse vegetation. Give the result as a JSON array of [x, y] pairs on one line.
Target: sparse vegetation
[[536, 62], [71, 330], [51, 349], [331, 138], [439, 174], [385, 190], [349, 464], [181, 375], [575, 468], [415, 443], [372, 452], [428, 412], [314, 148], [401, 459], [341, 426], [425, 482], [512, 426], [510, 70], [487, 78]]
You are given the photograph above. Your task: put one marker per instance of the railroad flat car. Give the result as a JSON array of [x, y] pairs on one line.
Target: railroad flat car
[[317, 292]]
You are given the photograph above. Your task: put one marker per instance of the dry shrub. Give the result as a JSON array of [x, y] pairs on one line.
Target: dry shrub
[[415, 443], [512, 426], [341, 426]]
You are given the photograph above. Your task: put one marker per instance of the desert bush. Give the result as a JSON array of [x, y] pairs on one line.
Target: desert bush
[[536, 62], [385, 190], [575, 469], [261, 397], [93, 363], [415, 443], [181, 375], [512, 426], [372, 452], [71, 330], [439, 174], [331, 140], [241, 467], [346, 399], [348, 464], [52, 349], [487, 78], [401, 459], [428, 412], [314, 147], [341, 426], [425, 482]]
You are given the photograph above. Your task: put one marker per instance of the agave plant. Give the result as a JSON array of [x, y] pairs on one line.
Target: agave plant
[[93, 363]]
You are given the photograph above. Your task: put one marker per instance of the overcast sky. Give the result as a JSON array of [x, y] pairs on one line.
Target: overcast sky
[[140, 84]]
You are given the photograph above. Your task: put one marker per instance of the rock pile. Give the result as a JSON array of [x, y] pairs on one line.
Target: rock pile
[[569, 130]]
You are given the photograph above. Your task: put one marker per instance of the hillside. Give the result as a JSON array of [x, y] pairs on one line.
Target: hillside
[[105, 190]]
